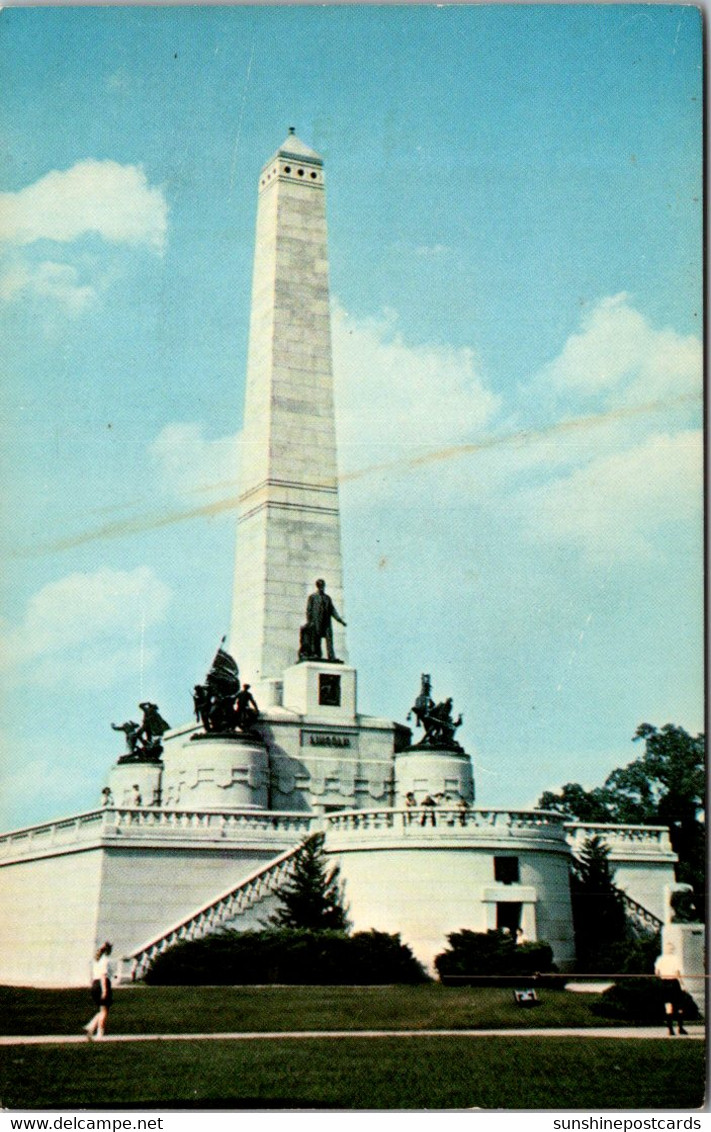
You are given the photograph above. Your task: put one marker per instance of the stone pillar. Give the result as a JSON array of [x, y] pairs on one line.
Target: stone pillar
[[430, 770], [689, 942], [288, 521], [126, 776], [689, 945], [217, 772]]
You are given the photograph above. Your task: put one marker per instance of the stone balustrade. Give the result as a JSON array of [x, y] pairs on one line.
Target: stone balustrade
[[111, 823], [266, 826], [212, 823], [621, 839], [62, 833], [417, 820]]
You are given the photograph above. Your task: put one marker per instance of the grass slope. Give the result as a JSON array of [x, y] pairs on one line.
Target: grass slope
[[165, 1010], [359, 1073]]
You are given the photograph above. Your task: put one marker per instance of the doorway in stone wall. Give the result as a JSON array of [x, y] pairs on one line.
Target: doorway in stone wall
[[508, 916]]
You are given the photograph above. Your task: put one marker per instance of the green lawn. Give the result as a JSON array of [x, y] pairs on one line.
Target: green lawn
[[408, 1072], [166, 1010], [359, 1073]]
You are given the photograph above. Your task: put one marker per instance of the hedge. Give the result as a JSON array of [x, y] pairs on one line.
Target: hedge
[[286, 955], [640, 1000], [483, 958]]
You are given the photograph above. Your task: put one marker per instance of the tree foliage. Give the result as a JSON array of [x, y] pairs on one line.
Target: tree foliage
[[474, 958], [640, 1001], [286, 955], [599, 918], [664, 786], [312, 898]]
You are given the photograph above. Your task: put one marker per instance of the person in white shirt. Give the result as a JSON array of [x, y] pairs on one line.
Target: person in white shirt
[[101, 972], [667, 969]]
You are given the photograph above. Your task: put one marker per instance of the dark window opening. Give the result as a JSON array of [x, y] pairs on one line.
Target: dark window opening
[[329, 690], [506, 870]]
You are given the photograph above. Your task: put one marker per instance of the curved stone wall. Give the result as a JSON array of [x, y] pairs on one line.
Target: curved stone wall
[[426, 881], [217, 773], [423, 771]]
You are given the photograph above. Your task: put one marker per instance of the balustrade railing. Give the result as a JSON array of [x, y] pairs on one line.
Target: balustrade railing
[[620, 837], [236, 825], [642, 915], [61, 832], [209, 917], [455, 819], [112, 821], [222, 823]]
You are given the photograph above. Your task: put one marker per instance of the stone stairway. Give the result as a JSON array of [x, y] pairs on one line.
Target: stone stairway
[[260, 884], [641, 915]]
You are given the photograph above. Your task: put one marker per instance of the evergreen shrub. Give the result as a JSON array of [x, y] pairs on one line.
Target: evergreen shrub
[[477, 958], [287, 955], [640, 1000]]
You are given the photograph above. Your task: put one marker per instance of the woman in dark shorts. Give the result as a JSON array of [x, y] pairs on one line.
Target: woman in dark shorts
[[100, 992]]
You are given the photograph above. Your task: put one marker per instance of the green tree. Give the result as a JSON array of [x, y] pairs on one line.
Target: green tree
[[312, 898], [664, 786], [599, 917]]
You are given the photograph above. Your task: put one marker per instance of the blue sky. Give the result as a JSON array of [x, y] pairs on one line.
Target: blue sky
[[514, 206]]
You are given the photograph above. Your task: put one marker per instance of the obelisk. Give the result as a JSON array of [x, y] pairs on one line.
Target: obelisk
[[288, 532]]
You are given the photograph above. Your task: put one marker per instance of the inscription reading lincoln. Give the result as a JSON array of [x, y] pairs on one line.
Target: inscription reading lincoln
[[325, 739]]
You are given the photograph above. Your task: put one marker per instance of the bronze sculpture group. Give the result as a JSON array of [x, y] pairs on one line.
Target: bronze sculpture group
[[143, 740], [222, 704], [436, 719]]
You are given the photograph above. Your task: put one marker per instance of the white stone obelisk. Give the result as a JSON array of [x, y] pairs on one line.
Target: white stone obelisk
[[288, 532]]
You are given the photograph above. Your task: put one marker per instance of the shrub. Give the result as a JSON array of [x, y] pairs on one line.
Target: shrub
[[639, 1000], [635, 955], [477, 958], [287, 955]]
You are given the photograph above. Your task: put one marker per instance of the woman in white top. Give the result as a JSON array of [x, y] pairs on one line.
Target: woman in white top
[[667, 969], [101, 992]]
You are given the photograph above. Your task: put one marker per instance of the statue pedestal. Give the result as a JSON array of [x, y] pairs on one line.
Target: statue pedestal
[[433, 770], [321, 688], [689, 944], [143, 774], [217, 772]]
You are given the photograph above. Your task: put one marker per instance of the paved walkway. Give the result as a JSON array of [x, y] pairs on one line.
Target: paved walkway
[[647, 1032]]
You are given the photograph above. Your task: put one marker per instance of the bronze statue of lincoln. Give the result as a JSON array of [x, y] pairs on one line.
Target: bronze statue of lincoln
[[319, 612]]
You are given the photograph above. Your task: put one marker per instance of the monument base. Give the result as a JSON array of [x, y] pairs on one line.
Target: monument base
[[217, 772], [136, 782], [323, 688], [440, 772]]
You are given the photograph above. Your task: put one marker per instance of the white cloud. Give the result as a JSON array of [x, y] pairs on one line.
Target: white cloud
[[612, 508], [188, 463], [394, 400], [618, 352], [103, 197], [85, 629], [393, 403], [55, 281]]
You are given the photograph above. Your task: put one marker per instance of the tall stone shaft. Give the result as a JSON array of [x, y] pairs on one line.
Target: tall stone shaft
[[288, 531]]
